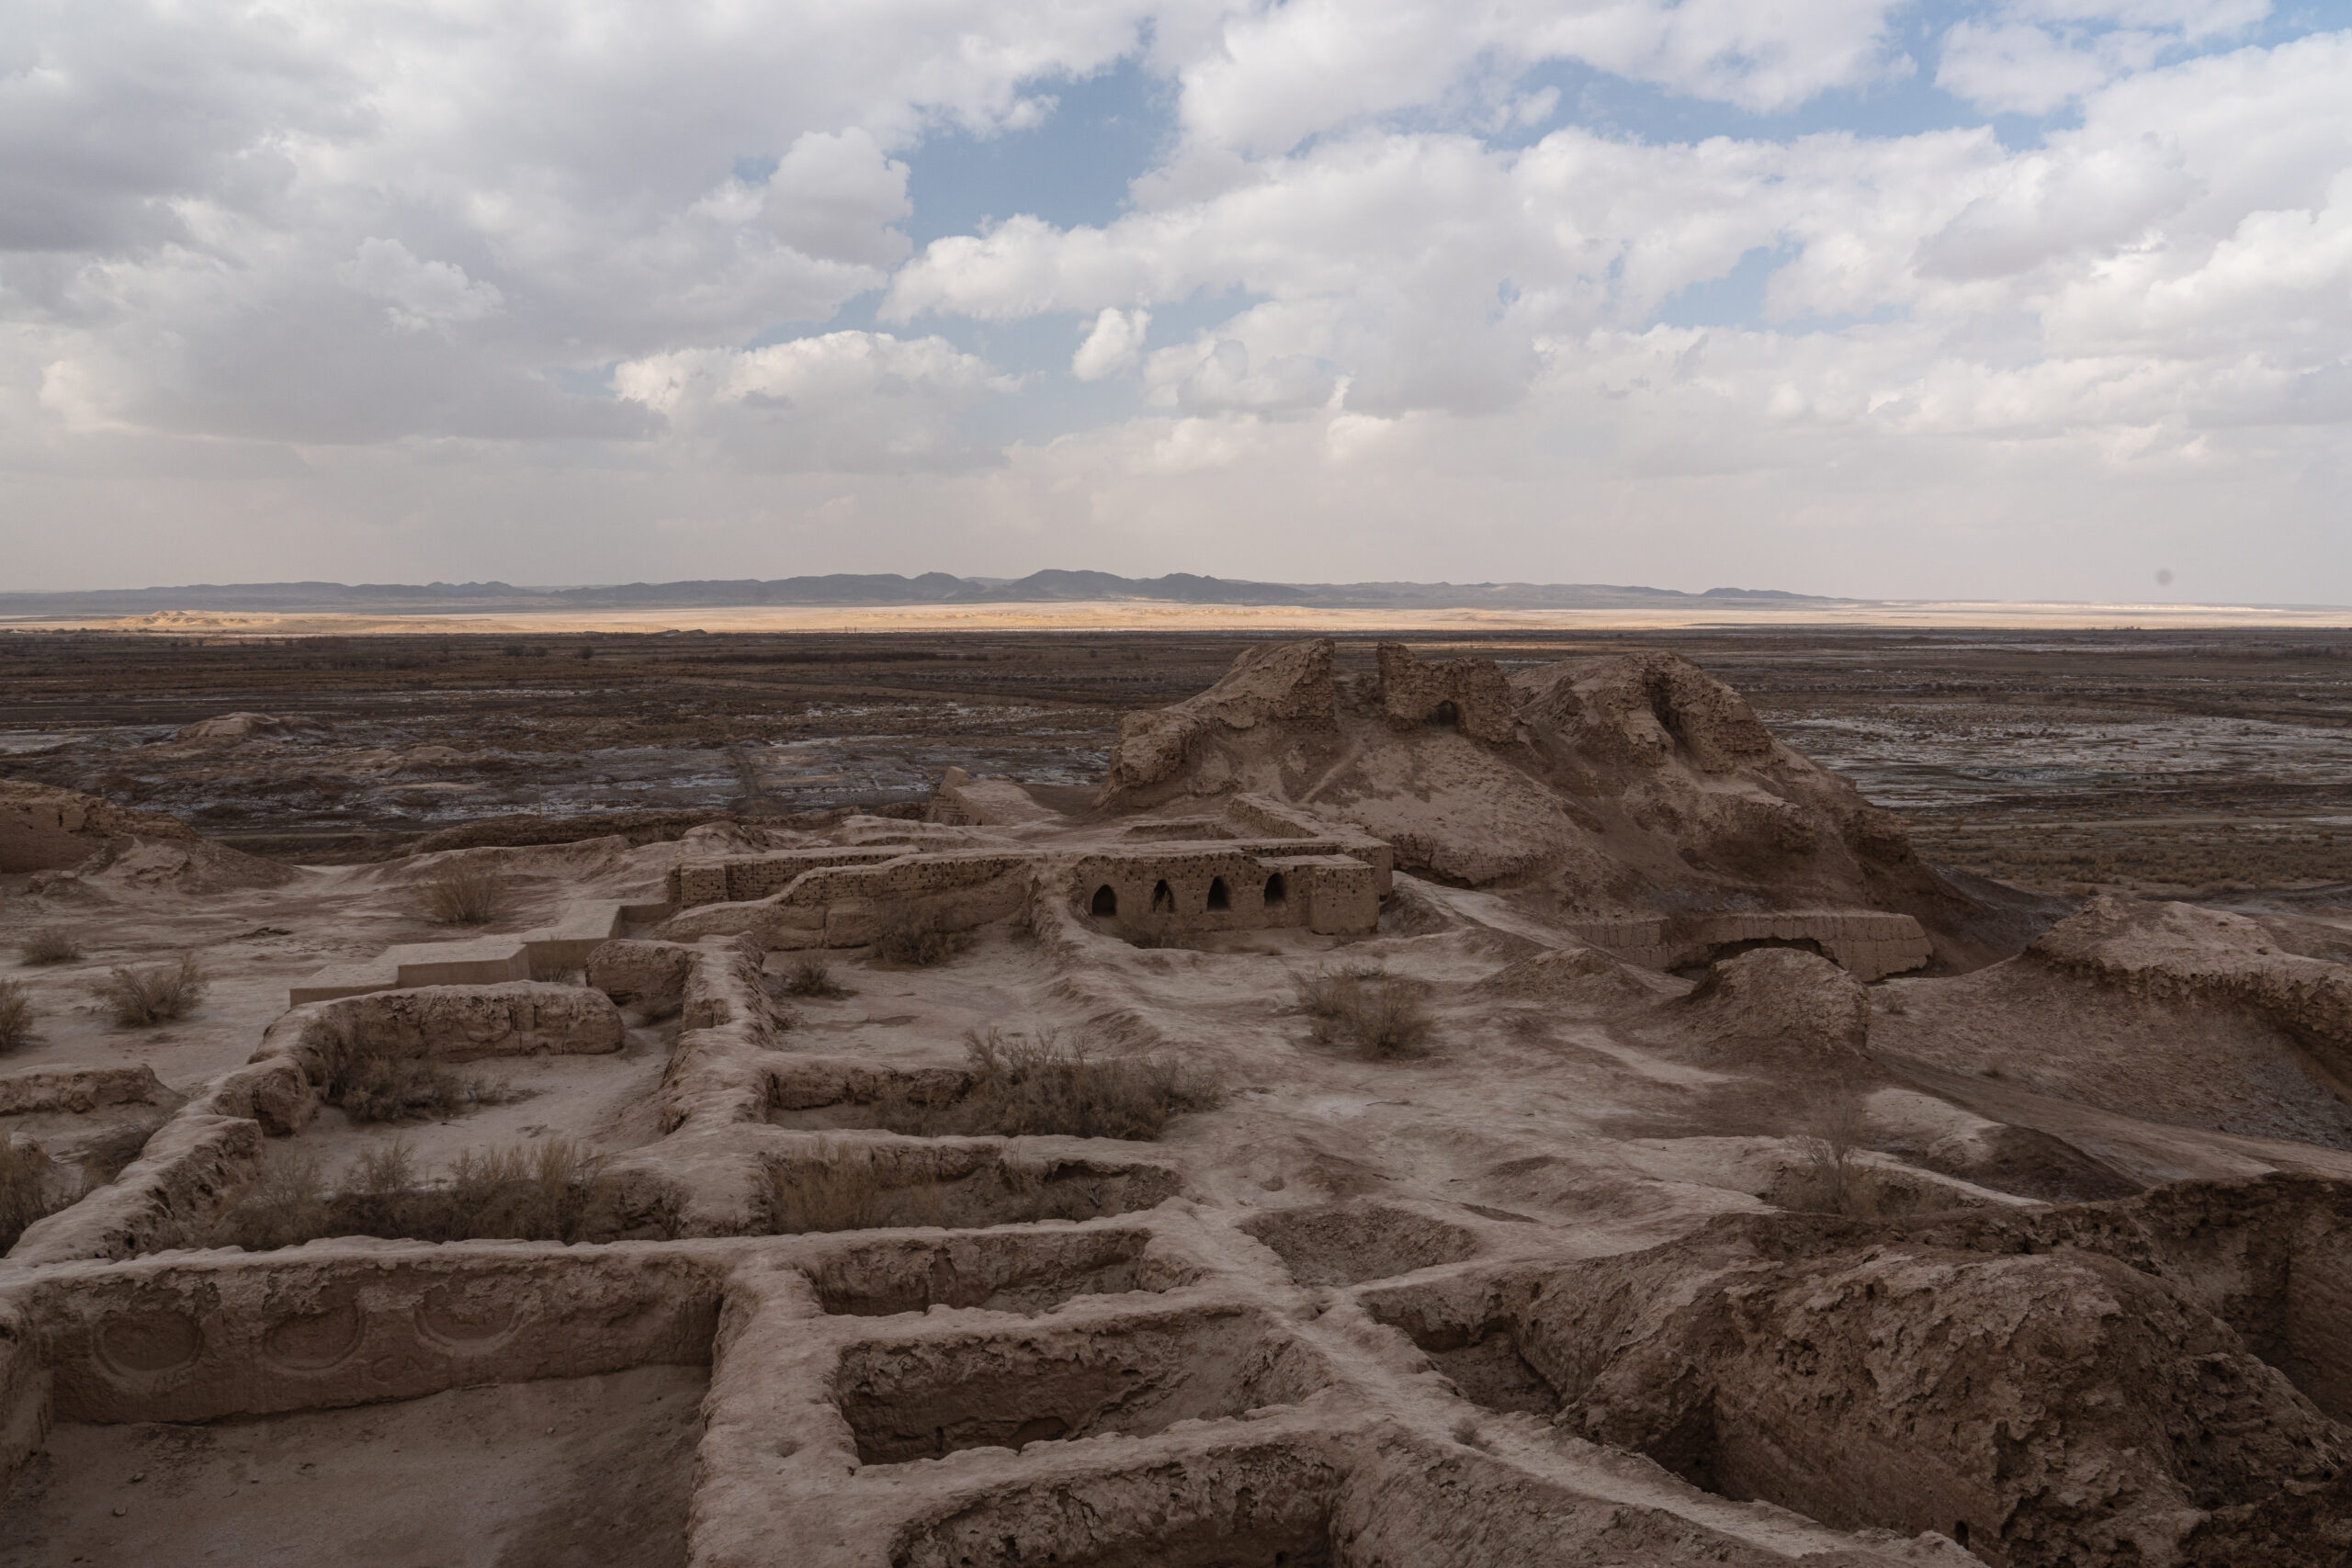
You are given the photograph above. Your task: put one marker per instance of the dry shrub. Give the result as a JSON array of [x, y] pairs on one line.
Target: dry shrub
[[1378, 1013], [904, 933], [286, 1206], [550, 1191], [48, 945], [1834, 1180], [27, 1178], [466, 894], [810, 976], [140, 998], [1025, 1086], [373, 1082], [15, 1015], [846, 1187]]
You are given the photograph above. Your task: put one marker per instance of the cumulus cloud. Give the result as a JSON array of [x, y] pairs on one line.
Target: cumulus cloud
[[1383, 260], [421, 294], [1111, 343], [847, 402]]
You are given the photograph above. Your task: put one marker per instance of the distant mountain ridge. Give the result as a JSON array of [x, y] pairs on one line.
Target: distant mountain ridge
[[874, 589]]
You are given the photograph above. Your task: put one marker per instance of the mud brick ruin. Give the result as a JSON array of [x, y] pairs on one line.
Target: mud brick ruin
[[1421, 1119]]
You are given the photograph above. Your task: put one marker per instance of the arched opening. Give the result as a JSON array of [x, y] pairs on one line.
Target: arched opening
[[1163, 899], [1105, 902], [1444, 716], [1275, 891], [1220, 898]]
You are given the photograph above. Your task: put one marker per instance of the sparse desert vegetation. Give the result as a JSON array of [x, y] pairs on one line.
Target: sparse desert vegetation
[[27, 1178], [466, 893], [810, 975], [913, 934], [16, 1016], [552, 1190], [374, 1082], [156, 993], [1022, 1086], [50, 945], [1367, 1009]]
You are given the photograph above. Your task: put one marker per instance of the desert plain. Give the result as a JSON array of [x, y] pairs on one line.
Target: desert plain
[[1734, 1094]]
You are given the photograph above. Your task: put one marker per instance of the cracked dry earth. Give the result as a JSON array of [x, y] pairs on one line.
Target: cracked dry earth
[[2042, 1259]]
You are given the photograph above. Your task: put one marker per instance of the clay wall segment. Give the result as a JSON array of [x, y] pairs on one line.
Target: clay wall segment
[[1323, 890], [227, 1337], [1868, 943], [31, 1090], [1411, 691]]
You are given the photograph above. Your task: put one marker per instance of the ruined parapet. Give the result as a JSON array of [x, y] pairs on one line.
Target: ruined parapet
[[736, 879], [1474, 691], [962, 801], [537, 954], [1868, 943], [839, 906]]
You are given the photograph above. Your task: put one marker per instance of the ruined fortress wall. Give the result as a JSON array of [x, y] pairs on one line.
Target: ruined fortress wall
[[1411, 692], [1868, 943]]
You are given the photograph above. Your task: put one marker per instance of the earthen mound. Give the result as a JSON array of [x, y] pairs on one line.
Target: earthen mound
[[1776, 1005], [2148, 1381], [230, 729], [1577, 977], [42, 828], [2179, 950], [2163, 1011], [176, 865], [1628, 786]]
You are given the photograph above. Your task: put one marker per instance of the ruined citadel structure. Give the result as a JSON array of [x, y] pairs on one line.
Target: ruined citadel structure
[[1593, 1274]]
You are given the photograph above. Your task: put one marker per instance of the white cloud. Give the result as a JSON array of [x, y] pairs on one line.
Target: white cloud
[[1343, 295], [1111, 343], [846, 402], [421, 294]]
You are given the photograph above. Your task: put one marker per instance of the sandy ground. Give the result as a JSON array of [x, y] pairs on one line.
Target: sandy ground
[[578, 1473]]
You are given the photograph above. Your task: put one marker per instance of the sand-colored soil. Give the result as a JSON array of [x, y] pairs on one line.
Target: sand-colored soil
[[578, 1473]]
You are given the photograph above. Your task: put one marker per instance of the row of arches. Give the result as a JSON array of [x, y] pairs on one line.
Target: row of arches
[[1105, 901]]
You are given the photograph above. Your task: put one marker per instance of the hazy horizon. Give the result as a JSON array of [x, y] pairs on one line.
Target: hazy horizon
[[2017, 300]]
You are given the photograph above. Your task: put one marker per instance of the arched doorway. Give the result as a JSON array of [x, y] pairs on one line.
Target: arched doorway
[[1445, 716], [1105, 902], [1163, 899], [1219, 897], [1275, 891]]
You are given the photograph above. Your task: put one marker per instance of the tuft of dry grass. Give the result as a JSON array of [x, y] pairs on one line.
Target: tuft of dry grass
[[1834, 1181], [466, 894], [48, 945], [906, 934], [1378, 1013], [810, 976], [549, 1190], [1024, 1087], [16, 1016], [140, 998], [373, 1082], [26, 1181], [846, 1187]]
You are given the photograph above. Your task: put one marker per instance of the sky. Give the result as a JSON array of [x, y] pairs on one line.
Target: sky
[[2022, 299]]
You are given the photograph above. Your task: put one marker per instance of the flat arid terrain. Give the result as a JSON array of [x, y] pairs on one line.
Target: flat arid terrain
[[1846, 1095]]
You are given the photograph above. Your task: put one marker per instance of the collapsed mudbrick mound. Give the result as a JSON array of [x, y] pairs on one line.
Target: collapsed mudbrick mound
[[1634, 785]]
